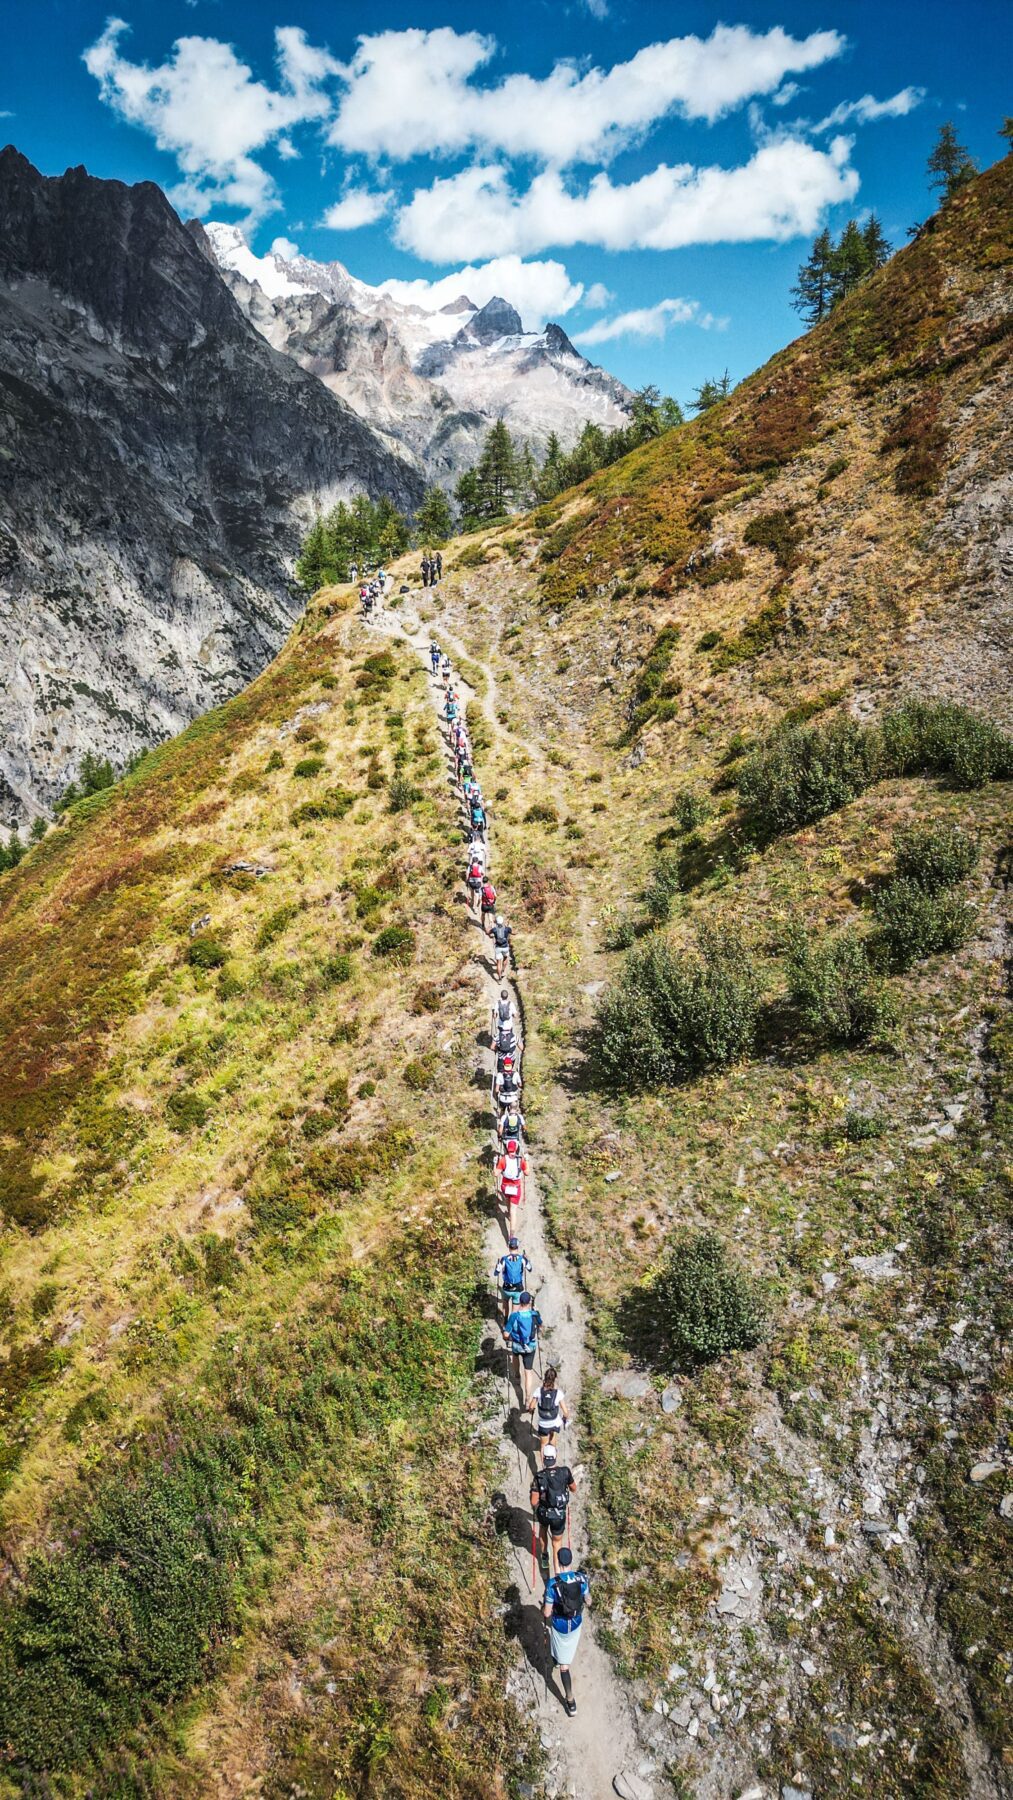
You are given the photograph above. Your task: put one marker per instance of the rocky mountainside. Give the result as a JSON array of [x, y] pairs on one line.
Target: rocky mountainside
[[431, 382], [158, 464]]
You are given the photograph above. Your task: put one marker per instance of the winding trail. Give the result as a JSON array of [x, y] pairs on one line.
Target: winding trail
[[600, 1752]]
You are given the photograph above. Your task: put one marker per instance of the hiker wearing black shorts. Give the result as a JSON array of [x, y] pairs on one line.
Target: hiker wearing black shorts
[[510, 1275], [548, 1410], [550, 1500], [520, 1336], [501, 935]]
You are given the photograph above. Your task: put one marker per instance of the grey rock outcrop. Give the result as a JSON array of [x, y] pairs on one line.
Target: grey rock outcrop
[[159, 461]]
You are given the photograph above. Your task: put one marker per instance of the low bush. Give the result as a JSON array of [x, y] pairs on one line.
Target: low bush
[[427, 998], [706, 1304], [653, 686], [691, 809], [708, 640], [396, 943], [664, 884], [861, 1128], [419, 1073], [401, 794], [935, 856], [672, 1012], [803, 773], [307, 767], [941, 737], [541, 813], [334, 803], [275, 924], [777, 532], [336, 969], [835, 988], [915, 923], [186, 1111], [206, 951]]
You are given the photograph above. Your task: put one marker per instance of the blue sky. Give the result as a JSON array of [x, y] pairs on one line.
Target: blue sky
[[648, 175]]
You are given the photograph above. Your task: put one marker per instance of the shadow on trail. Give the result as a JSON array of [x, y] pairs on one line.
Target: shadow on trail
[[512, 1523], [525, 1626]]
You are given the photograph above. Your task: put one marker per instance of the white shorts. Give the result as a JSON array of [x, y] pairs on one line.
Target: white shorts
[[564, 1645]]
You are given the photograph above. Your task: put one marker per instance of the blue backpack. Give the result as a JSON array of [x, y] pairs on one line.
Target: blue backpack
[[513, 1270], [521, 1328]]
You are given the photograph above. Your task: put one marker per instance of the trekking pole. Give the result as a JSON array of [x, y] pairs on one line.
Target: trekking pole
[[533, 1559]]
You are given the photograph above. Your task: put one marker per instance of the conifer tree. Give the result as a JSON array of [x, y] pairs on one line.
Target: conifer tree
[[310, 568], [877, 245], [434, 521], [850, 262], [468, 494], [950, 165], [710, 392], [497, 472], [812, 295]]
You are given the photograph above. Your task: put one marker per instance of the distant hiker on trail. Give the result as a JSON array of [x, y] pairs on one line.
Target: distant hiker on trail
[[488, 904], [501, 935], [437, 566], [450, 709], [426, 571], [475, 878], [510, 1275], [477, 851], [478, 818], [511, 1126], [434, 656], [503, 1011], [506, 1085], [512, 1168], [550, 1498], [566, 1596], [507, 1041], [520, 1336], [445, 667], [548, 1410], [353, 574]]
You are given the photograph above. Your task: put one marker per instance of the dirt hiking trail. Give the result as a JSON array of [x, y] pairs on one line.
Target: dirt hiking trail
[[599, 1752]]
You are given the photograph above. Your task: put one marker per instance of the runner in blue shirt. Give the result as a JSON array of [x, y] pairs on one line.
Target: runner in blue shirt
[[520, 1336], [566, 1596], [510, 1275]]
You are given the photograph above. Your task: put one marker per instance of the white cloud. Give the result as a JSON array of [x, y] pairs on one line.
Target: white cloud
[[411, 93], [598, 295], [646, 322], [539, 290], [785, 94], [780, 193], [284, 248], [204, 106], [598, 9], [867, 110], [357, 207]]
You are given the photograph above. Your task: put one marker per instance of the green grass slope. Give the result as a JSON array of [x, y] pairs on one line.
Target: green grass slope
[[697, 672], [243, 1514]]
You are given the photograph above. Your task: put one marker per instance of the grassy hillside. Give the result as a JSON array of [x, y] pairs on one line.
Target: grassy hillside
[[244, 1503], [797, 1530]]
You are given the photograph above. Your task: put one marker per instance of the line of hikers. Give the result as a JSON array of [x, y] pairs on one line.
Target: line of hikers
[[371, 593], [566, 1586]]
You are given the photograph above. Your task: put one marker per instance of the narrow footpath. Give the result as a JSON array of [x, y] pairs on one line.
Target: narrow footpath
[[599, 1752]]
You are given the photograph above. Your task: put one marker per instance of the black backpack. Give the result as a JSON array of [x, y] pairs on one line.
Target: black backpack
[[569, 1601], [553, 1486], [548, 1402]]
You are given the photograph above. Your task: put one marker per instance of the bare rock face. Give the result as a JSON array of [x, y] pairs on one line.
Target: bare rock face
[[159, 462]]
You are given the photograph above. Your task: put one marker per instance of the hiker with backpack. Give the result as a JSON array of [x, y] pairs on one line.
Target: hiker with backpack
[[550, 1500], [474, 879], [566, 1596], [506, 1086], [548, 1410], [501, 935], [507, 1041], [511, 1125], [512, 1167], [434, 656], [520, 1338], [488, 903], [510, 1275]]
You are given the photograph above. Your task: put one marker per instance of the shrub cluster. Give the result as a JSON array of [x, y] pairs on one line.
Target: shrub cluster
[[206, 951], [396, 943], [802, 773], [665, 882], [915, 922], [835, 988], [935, 856], [706, 1304], [670, 1012]]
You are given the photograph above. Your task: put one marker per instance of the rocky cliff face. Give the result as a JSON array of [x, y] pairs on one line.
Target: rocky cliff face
[[158, 463], [431, 382]]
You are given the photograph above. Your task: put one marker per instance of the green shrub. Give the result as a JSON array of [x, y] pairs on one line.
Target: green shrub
[[274, 761], [419, 1073], [941, 737], [672, 1012], [777, 532], [395, 942], [275, 923], [709, 640], [833, 469], [664, 884], [691, 809], [915, 923], [333, 803], [206, 951], [834, 987], [706, 1304], [654, 686], [860, 1128], [368, 900], [186, 1111], [935, 856], [801, 774], [541, 813], [621, 933], [336, 969], [307, 767], [401, 794]]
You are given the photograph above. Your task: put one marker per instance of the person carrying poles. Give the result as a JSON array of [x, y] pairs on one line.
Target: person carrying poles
[[507, 1041], [510, 1275], [503, 1010], [477, 820], [550, 1499], [511, 1126], [512, 1168], [506, 1085], [434, 656], [501, 935], [548, 1410], [566, 1597], [520, 1338], [474, 879], [488, 903]]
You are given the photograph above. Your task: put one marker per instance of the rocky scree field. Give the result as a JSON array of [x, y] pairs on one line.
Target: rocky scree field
[[245, 1531], [746, 711]]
